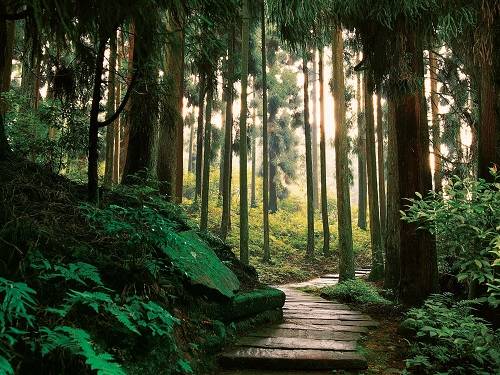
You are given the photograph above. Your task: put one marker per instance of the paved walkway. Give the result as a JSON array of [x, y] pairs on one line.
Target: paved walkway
[[316, 335]]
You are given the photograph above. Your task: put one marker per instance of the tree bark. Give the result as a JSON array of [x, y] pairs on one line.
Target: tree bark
[[190, 147], [228, 138], [117, 124], [381, 166], [418, 261], [244, 256], [377, 271], [265, 145], [309, 164], [253, 200], [130, 74], [6, 50], [346, 262], [171, 122], [314, 127], [322, 149], [205, 190], [392, 242], [110, 110], [199, 133], [436, 131], [362, 183]]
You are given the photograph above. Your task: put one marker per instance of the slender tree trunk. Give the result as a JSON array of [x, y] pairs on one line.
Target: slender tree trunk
[[314, 126], [381, 166], [205, 190], [346, 263], [6, 49], [190, 149], [243, 135], [362, 183], [171, 122], [93, 158], [418, 261], [265, 145], [228, 138], [488, 123], [253, 200], [127, 122], [377, 271], [309, 163], [221, 155], [273, 171], [199, 134], [322, 149], [179, 177], [392, 242], [117, 123], [110, 109], [436, 131]]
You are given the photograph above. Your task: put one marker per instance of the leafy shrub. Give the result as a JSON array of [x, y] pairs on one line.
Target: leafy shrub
[[354, 291], [466, 221], [451, 340]]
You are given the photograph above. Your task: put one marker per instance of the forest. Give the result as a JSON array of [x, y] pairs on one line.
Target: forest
[[242, 187]]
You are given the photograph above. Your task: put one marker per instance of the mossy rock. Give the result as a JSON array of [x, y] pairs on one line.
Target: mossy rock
[[193, 258]]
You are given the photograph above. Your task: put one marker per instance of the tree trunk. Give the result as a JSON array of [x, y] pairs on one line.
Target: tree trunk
[[418, 261], [117, 123], [377, 271], [190, 147], [110, 110], [127, 122], [199, 134], [436, 131], [309, 163], [253, 200], [392, 243], [143, 115], [322, 149], [205, 190], [228, 138], [381, 166], [314, 126], [6, 48], [265, 146], [221, 155], [362, 183], [171, 122], [245, 41], [179, 177], [346, 263], [93, 158]]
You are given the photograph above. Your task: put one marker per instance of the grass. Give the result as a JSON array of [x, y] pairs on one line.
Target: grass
[[288, 235]]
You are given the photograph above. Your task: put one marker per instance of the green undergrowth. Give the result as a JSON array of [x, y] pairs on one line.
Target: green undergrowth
[[355, 291], [288, 234], [88, 289]]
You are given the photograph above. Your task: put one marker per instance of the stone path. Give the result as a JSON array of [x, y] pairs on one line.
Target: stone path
[[316, 335]]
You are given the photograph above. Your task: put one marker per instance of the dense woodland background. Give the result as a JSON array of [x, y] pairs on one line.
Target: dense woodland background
[[310, 136]]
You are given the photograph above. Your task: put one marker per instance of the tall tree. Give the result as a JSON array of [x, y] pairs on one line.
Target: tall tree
[[228, 136], [245, 41], [117, 123], [377, 271], [253, 200], [381, 165], [322, 158], [362, 183], [205, 189], [265, 146], [436, 128], [314, 128], [199, 131], [346, 263], [110, 109], [6, 49], [309, 172]]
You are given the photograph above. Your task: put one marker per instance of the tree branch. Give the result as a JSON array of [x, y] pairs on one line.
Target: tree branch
[[121, 107]]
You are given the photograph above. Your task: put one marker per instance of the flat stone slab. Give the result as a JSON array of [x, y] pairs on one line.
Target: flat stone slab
[[283, 359], [314, 315], [297, 343], [332, 322], [315, 327], [306, 334]]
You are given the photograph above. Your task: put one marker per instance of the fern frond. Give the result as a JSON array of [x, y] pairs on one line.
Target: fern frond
[[5, 367], [18, 298]]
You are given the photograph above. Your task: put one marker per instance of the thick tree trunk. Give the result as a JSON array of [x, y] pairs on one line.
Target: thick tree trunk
[[377, 271], [381, 166], [245, 41], [418, 260], [314, 133], [199, 133], [228, 138], [110, 110], [93, 158], [362, 183], [117, 123], [322, 147], [265, 145], [309, 163], [205, 190], [392, 243], [127, 122], [6, 50], [436, 131], [253, 200], [171, 122], [346, 262]]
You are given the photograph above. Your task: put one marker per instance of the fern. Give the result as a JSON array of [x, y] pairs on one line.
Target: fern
[[5, 367], [79, 342], [17, 299]]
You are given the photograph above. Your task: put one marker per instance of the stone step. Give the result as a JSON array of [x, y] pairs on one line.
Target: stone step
[[284, 359], [306, 334], [319, 327], [296, 343], [314, 315], [331, 322], [308, 311]]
